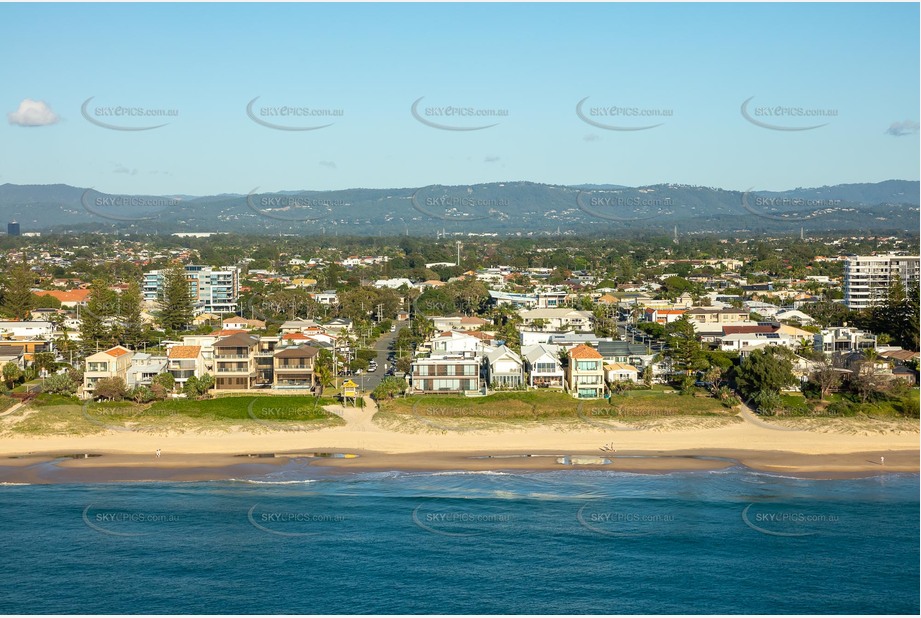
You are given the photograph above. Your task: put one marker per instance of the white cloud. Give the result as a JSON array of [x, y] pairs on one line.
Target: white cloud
[[899, 129], [32, 114]]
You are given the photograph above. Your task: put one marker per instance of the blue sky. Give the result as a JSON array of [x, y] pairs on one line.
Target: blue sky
[[691, 66]]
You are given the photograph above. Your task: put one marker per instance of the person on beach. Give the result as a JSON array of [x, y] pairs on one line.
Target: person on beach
[[158, 453], [882, 461]]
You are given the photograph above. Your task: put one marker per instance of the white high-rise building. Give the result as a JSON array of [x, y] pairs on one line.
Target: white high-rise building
[[213, 290], [867, 277]]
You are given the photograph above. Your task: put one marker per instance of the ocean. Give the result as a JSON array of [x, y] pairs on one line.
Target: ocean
[[305, 540]]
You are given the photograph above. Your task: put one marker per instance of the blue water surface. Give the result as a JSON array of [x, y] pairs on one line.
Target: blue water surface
[[308, 542]]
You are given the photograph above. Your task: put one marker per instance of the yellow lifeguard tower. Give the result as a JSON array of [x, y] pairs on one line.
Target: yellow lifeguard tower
[[351, 391]]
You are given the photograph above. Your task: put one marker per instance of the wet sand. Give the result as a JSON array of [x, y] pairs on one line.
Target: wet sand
[[51, 468]]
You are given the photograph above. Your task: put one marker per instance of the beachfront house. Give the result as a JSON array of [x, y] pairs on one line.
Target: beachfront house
[[185, 361], [294, 366], [585, 372], [621, 372], [542, 364], [235, 362], [445, 374], [144, 368], [111, 363], [504, 368]]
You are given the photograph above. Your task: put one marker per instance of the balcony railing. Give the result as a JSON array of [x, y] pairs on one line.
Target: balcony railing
[[220, 356]]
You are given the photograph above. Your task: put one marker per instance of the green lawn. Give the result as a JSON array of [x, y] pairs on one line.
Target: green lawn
[[554, 405], [285, 408]]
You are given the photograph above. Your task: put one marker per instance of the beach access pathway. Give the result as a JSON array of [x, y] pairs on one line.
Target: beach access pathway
[[749, 416], [358, 419]]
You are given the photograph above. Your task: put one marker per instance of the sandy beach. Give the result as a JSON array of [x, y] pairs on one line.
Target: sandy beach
[[238, 453]]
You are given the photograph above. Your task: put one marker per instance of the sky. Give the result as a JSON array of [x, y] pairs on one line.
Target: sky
[[832, 95]]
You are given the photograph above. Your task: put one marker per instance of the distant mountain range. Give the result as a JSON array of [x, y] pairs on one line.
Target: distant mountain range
[[501, 208]]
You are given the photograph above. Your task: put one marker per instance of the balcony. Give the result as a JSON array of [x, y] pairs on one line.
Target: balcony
[[240, 368], [222, 356]]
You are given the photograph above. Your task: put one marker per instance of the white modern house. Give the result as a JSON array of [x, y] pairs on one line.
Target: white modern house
[[542, 365], [445, 374], [843, 339], [456, 343], [504, 368], [743, 343]]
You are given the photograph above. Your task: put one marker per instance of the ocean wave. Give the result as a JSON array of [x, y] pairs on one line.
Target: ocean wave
[[263, 482], [10, 484], [469, 472]]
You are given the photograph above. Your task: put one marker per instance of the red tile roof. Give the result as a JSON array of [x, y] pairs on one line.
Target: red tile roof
[[184, 351], [584, 351], [66, 296]]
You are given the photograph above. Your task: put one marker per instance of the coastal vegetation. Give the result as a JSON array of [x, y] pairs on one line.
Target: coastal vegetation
[[63, 415]]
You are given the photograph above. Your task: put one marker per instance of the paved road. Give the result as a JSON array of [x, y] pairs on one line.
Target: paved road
[[371, 380]]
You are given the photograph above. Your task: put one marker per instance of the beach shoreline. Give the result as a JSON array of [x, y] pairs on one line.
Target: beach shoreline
[[63, 468], [237, 452]]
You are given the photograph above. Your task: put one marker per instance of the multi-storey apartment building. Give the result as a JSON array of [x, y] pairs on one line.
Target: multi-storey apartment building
[[867, 278], [213, 290]]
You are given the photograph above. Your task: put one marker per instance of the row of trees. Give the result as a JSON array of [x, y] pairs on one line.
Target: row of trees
[[113, 318], [115, 389]]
